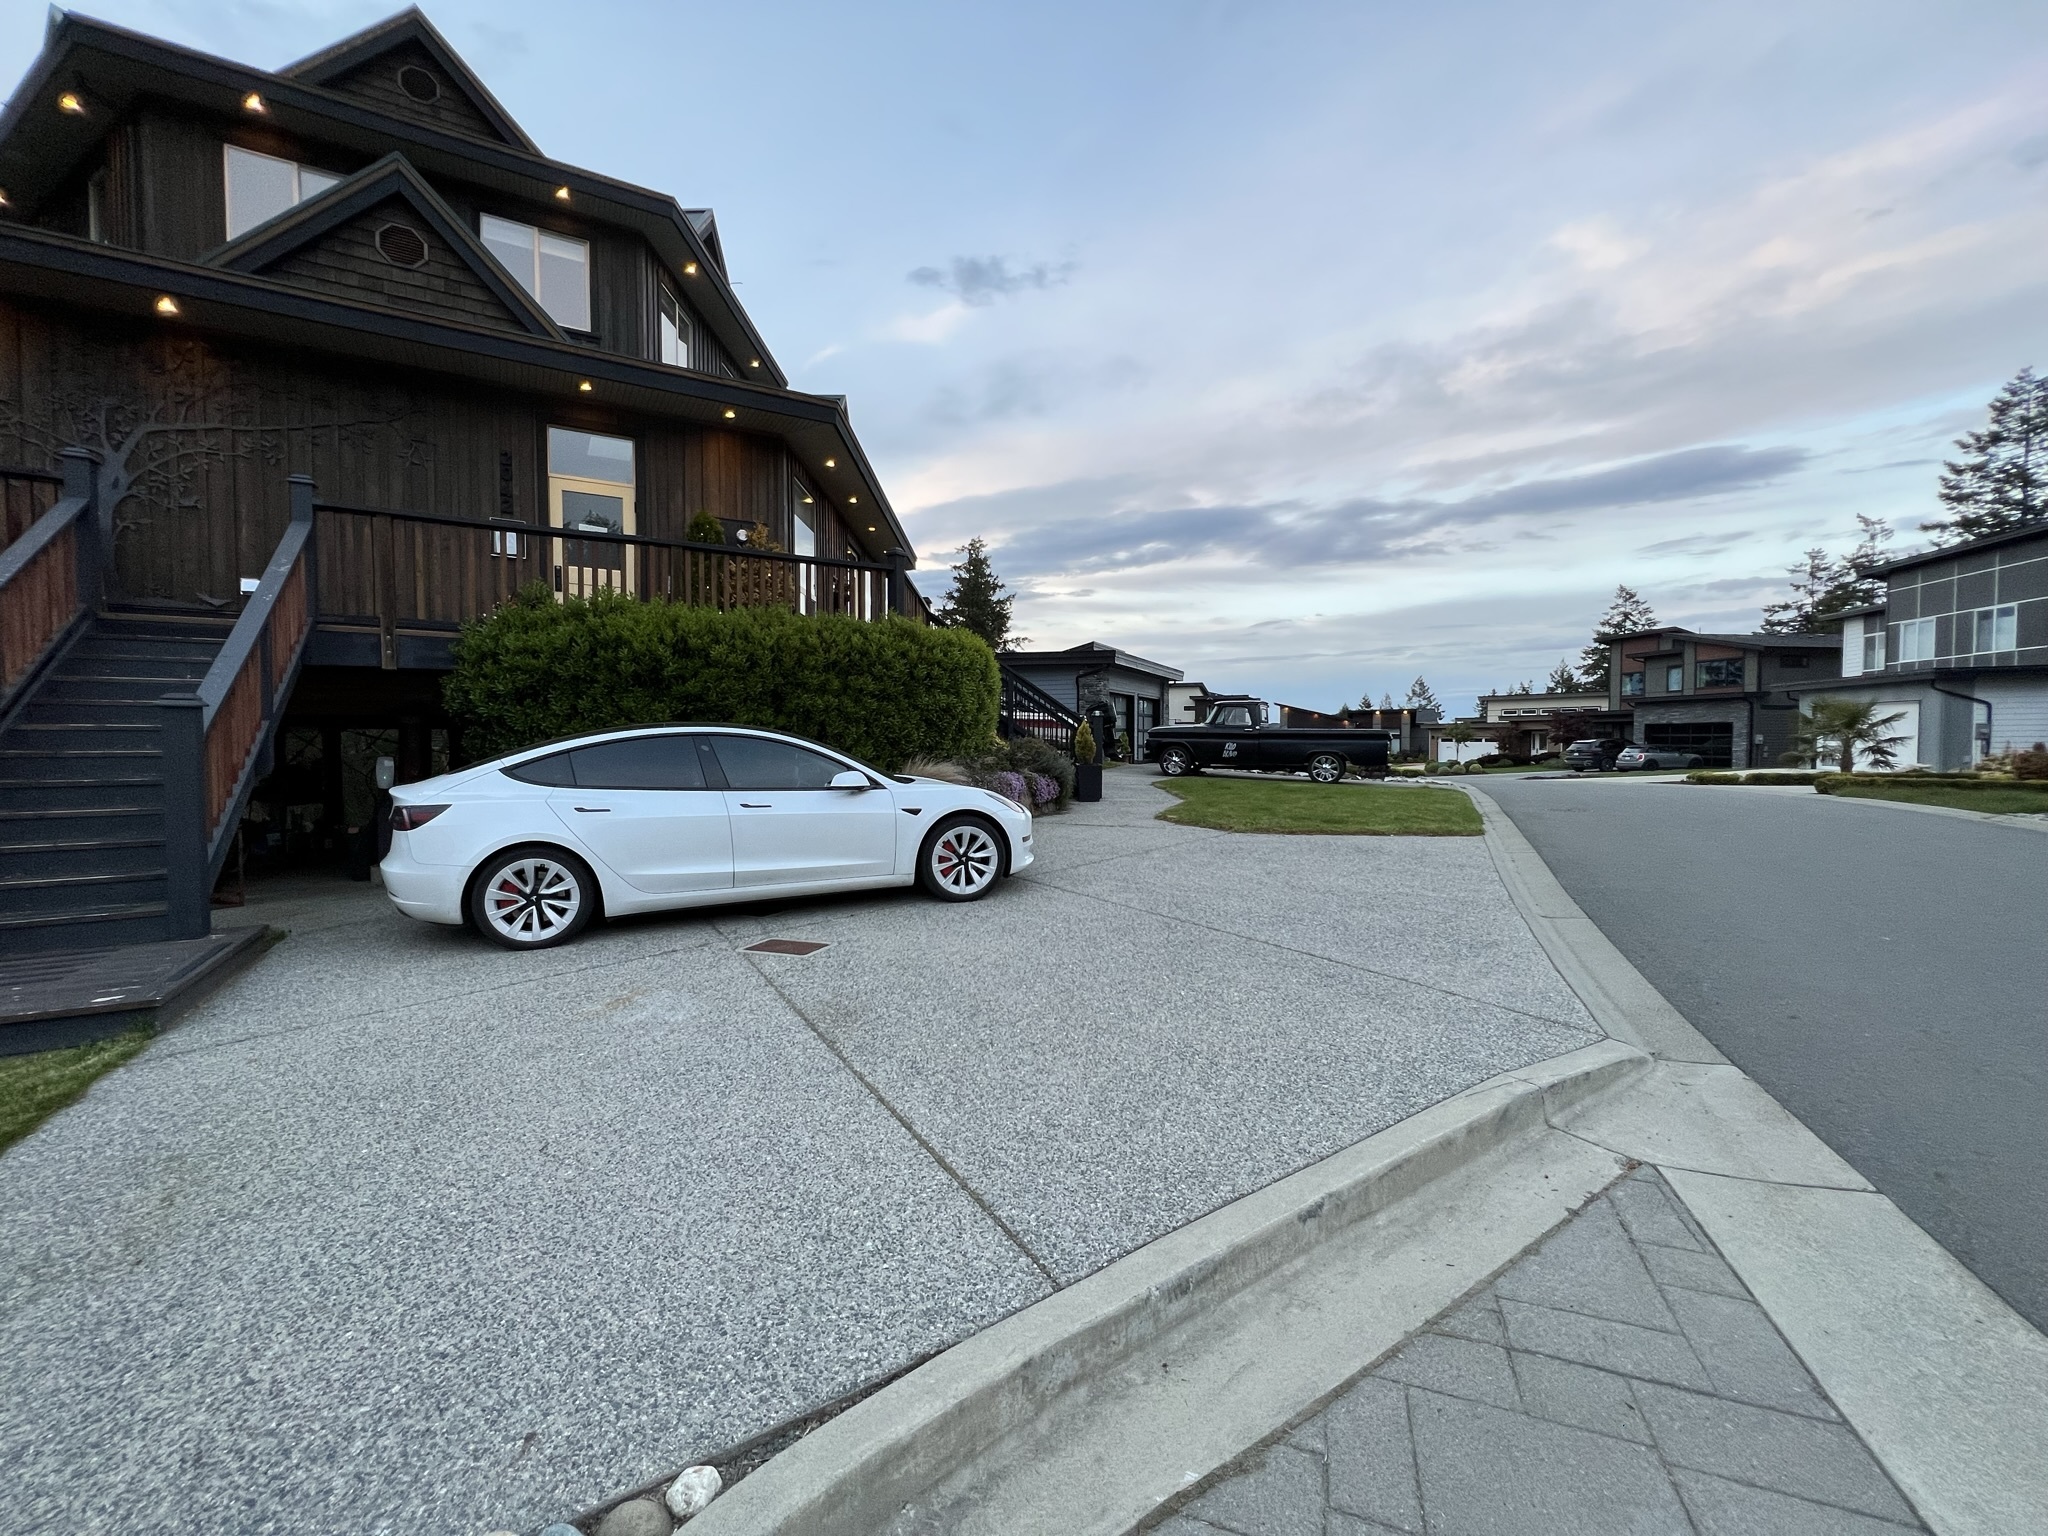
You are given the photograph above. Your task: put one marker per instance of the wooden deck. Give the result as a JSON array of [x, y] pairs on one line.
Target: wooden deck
[[72, 997]]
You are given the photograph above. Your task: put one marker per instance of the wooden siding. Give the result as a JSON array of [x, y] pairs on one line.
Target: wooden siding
[[347, 264], [40, 601], [226, 427], [180, 192], [377, 83]]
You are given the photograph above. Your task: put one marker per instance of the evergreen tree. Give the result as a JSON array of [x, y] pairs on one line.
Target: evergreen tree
[[1562, 678], [1626, 615], [2001, 481], [978, 602], [1387, 701], [1420, 697], [1823, 587]]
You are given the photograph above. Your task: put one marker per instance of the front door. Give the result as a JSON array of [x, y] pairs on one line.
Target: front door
[[646, 806], [590, 490], [789, 827]]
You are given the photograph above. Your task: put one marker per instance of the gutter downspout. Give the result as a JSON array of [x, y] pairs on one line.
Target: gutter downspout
[[1969, 698]]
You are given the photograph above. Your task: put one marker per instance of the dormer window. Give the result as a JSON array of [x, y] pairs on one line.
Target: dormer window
[[260, 187], [554, 268], [675, 331]]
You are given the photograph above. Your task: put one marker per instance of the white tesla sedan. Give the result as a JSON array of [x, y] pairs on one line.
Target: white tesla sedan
[[527, 849]]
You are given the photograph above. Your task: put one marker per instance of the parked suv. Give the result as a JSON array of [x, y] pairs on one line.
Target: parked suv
[[1592, 756], [1657, 757]]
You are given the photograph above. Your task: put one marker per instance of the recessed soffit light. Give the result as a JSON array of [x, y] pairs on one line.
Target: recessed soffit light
[[561, 194], [584, 387], [166, 305], [730, 415], [253, 103], [689, 269], [831, 463], [70, 101]]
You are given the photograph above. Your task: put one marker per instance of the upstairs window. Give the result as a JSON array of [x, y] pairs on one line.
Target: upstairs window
[[1722, 672], [1987, 629], [675, 332], [260, 187], [1873, 650], [1674, 679], [554, 268], [1916, 641], [804, 521], [1632, 685]]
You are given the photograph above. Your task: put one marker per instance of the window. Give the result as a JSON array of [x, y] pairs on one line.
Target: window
[[1674, 678], [554, 268], [1873, 649], [590, 490], [1632, 685], [1722, 672], [1235, 717], [640, 762], [260, 187], [675, 332], [544, 770], [753, 762], [1987, 629], [1916, 641]]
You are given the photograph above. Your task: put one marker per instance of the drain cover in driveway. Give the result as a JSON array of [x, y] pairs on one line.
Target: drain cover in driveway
[[784, 947]]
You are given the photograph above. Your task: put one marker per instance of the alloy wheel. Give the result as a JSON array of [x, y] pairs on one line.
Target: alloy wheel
[[1326, 768], [965, 859], [532, 900], [1174, 763]]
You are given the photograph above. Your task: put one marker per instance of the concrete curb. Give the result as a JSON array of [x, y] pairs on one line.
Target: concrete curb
[[861, 1471]]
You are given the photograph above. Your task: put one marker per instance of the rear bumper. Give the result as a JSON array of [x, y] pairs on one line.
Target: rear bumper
[[430, 892]]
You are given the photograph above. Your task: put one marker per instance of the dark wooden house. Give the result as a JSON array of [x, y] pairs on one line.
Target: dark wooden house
[[301, 369]]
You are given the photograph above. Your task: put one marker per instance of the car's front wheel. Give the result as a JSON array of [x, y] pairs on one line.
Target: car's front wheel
[[532, 897], [1326, 767], [961, 859], [1176, 761]]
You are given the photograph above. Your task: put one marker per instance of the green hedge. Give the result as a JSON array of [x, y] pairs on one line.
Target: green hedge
[[1829, 783], [1778, 776], [882, 691]]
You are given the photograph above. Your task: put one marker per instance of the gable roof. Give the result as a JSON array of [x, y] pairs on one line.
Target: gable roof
[[406, 31], [317, 217]]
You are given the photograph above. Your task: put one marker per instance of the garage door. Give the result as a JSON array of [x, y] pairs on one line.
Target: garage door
[[1713, 740]]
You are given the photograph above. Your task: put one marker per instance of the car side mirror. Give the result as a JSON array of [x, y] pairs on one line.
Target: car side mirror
[[852, 779]]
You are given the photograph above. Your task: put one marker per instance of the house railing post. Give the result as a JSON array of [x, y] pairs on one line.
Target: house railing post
[[80, 471], [302, 512], [899, 563], [183, 724]]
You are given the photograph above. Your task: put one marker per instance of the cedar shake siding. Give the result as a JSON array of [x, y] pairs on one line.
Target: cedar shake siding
[[349, 264]]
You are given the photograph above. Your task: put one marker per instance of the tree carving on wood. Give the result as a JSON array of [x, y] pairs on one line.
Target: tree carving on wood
[[189, 421]]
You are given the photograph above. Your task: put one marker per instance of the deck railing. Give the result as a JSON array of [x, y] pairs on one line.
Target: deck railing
[[396, 568], [50, 572], [216, 741], [25, 495]]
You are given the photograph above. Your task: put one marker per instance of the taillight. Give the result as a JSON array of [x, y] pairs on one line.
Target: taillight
[[410, 818]]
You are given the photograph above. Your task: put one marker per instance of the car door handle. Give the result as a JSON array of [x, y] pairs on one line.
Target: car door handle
[[595, 810], [756, 805]]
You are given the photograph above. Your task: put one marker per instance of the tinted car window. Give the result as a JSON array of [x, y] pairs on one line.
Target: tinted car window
[[751, 762], [553, 769], [640, 762]]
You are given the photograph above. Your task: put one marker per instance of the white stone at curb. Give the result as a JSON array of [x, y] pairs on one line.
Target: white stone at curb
[[693, 1488]]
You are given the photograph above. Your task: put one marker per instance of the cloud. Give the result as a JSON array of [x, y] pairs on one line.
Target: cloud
[[1095, 528], [981, 280]]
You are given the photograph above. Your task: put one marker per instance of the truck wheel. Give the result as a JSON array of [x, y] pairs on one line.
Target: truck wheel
[[1326, 767], [1175, 761]]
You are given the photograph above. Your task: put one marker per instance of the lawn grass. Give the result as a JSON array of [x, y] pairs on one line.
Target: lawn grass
[[36, 1086], [1997, 802], [1293, 805]]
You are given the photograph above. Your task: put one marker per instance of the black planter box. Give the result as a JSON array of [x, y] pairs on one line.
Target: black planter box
[[1087, 781]]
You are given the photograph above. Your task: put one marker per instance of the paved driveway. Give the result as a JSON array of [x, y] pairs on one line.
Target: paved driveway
[[1880, 970], [405, 1234]]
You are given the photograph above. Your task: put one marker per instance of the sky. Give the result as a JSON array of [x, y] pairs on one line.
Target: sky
[[1312, 348]]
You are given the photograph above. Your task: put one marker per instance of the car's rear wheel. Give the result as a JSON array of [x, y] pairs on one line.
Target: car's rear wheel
[[961, 859], [1326, 767], [1175, 761], [532, 897]]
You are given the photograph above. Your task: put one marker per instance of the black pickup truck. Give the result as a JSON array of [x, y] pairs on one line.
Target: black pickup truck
[[1236, 736]]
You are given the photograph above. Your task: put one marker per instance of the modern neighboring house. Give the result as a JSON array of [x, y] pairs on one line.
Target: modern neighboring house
[[300, 370], [1730, 698], [1521, 721], [1093, 678], [1958, 649]]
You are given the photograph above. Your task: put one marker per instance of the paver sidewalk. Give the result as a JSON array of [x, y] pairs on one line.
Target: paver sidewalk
[[1619, 1379]]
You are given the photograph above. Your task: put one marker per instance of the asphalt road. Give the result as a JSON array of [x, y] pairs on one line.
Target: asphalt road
[[1882, 971]]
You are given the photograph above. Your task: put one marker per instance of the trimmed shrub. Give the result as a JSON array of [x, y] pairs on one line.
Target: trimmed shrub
[[879, 690], [1712, 776], [2031, 764], [1828, 783], [1084, 743], [1043, 775]]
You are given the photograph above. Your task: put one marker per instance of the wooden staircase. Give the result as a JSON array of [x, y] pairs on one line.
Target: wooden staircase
[[83, 851]]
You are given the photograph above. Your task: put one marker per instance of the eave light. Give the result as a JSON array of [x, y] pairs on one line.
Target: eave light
[[731, 415], [754, 362], [70, 101], [3, 201], [584, 387], [689, 269], [831, 463], [853, 501], [166, 305], [253, 103], [561, 194]]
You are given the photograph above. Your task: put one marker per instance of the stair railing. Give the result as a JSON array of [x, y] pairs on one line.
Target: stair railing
[[49, 578], [216, 742], [1028, 710]]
